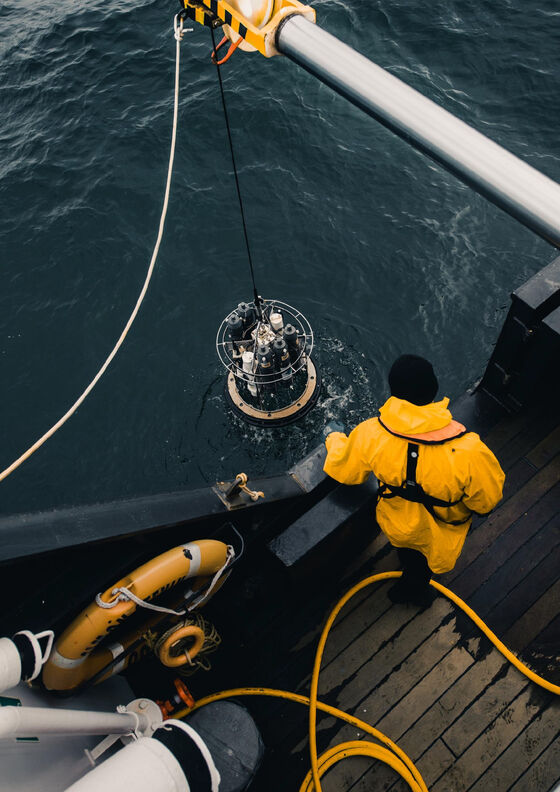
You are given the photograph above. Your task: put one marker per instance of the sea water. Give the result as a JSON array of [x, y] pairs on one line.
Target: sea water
[[382, 250]]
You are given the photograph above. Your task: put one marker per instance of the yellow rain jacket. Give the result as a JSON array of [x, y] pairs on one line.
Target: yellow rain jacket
[[452, 465]]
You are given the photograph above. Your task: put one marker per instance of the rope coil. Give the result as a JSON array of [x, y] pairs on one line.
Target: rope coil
[[194, 658]]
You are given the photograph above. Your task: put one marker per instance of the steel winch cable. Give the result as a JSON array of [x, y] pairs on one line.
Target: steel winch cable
[[178, 33], [389, 752], [236, 175]]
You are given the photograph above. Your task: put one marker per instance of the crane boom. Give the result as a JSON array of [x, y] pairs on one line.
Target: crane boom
[[289, 28]]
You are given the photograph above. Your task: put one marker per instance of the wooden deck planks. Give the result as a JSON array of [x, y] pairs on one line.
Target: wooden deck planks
[[348, 628], [536, 619], [485, 535], [439, 758], [544, 451], [287, 664], [378, 651], [468, 575], [518, 602], [549, 639], [420, 698], [408, 690], [385, 654], [481, 754], [496, 706], [466, 717], [427, 672], [507, 429], [483, 710], [532, 743], [452, 703], [542, 775], [508, 579], [307, 615], [533, 430]]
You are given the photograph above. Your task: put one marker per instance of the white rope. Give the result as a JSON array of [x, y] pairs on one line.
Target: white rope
[[199, 600], [202, 747], [178, 28], [40, 655], [125, 595]]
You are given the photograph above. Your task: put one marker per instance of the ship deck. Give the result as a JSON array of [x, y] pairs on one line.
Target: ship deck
[[427, 679]]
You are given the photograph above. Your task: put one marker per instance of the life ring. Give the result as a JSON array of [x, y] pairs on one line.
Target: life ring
[[75, 659], [188, 631]]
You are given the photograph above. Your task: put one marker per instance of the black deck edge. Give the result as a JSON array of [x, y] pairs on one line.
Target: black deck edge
[[528, 347], [322, 526], [552, 322], [541, 293], [34, 533], [308, 472]]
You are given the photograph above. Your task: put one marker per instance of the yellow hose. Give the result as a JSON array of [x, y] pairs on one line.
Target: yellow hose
[[392, 755], [496, 641]]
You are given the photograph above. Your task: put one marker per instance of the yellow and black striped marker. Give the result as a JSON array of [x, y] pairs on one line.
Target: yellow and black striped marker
[[260, 37]]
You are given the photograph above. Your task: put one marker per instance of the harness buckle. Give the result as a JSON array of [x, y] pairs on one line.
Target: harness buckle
[[413, 491]]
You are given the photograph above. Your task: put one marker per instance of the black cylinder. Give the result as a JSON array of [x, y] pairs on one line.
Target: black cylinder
[[265, 359], [292, 340], [27, 654], [235, 326], [282, 356], [247, 313], [189, 755], [234, 741]]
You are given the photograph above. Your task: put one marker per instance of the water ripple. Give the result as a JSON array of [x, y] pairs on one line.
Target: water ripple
[[382, 250]]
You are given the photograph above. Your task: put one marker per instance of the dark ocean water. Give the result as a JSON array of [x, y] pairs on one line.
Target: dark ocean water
[[382, 250]]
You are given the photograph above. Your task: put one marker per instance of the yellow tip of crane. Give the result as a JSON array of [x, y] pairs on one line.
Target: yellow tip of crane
[[255, 21]]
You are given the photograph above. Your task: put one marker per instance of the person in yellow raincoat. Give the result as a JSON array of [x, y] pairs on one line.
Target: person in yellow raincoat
[[433, 475]]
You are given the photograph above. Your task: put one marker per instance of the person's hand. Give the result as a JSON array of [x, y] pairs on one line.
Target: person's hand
[[332, 426]]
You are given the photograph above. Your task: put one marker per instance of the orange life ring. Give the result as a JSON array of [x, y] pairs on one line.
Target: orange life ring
[[76, 656], [187, 631]]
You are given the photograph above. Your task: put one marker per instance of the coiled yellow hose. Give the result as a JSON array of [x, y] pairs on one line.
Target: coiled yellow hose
[[389, 752]]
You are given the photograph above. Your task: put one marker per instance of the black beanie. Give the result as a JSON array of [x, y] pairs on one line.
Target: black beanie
[[412, 378]]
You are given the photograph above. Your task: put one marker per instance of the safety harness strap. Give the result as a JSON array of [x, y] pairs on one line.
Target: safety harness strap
[[412, 491], [411, 465]]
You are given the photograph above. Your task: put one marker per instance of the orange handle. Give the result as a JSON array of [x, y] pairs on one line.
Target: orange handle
[[230, 51]]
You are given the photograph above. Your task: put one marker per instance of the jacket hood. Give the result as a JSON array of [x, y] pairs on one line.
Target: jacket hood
[[405, 418]]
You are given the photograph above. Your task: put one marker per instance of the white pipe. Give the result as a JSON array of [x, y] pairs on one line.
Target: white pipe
[[23, 657], [202, 747], [10, 665], [33, 721], [513, 185], [145, 765]]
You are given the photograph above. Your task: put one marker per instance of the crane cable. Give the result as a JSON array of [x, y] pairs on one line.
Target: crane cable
[[389, 752], [238, 188], [178, 33]]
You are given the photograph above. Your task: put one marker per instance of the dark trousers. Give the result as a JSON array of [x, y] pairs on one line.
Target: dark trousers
[[416, 572]]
